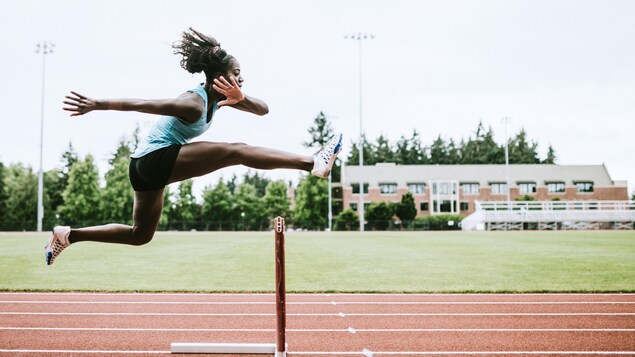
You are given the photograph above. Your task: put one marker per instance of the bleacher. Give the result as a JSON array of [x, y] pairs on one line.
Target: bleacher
[[551, 215]]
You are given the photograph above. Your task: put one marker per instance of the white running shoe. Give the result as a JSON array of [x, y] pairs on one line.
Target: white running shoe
[[57, 243], [323, 159]]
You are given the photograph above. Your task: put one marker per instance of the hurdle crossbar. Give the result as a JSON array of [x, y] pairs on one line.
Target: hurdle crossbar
[[279, 349]]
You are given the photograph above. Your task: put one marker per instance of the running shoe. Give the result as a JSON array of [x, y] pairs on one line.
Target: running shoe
[[57, 243], [323, 159]]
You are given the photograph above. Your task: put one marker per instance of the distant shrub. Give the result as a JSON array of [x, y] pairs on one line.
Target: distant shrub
[[446, 222], [347, 220], [380, 215]]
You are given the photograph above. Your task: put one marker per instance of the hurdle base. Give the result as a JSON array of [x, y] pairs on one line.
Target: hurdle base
[[247, 348]]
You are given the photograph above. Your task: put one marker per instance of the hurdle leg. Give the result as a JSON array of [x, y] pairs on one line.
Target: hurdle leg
[[281, 315]]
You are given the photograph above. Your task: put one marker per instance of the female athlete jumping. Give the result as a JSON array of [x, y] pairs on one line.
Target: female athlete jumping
[[167, 156]]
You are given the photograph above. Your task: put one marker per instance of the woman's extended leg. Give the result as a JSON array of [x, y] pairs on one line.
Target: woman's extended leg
[[200, 158], [146, 214]]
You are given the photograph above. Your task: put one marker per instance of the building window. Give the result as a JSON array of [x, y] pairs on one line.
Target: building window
[[465, 206], [355, 187], [526, 187], [446, 206], [425, 207], [470, 188], [353, 206], [584, 186], [555, 187], [417, 188], [498, 188], [388, 188]]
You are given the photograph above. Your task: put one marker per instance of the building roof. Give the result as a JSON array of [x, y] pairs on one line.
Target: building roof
[[403, 175]]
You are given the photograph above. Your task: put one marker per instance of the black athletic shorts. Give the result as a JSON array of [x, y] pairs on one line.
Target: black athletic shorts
[[152, 171]]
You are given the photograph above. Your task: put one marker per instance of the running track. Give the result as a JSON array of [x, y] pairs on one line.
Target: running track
[[100, 324]]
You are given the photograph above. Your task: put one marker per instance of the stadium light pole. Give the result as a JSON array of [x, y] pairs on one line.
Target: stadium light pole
[[506, 120], [360, 37], [44, 48]]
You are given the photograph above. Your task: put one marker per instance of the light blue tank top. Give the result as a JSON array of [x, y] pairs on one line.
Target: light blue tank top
[[171, 130]]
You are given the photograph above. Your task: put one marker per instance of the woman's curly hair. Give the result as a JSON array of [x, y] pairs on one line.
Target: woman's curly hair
[[202, 53]]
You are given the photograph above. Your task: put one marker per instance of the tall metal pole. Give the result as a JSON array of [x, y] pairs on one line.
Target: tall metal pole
[[506, 121], [330, 205], [360, 37], [44, 48]]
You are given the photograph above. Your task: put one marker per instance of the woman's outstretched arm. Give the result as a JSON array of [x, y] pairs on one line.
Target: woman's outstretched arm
[[188, 106]]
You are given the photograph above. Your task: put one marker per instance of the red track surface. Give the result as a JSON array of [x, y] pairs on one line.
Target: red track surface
[[82, 324]]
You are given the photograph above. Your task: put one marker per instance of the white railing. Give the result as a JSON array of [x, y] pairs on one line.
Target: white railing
[[570, 213], [555, 205]]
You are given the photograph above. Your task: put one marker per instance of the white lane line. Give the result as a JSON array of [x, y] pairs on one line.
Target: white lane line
[[487, 353], [341, 314], [108, 352], [79, 293], [318, 302], [500, 330], [145, 314], [349, 330]]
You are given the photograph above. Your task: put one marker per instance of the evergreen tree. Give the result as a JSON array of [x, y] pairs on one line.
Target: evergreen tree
[[20, 186], [3, 197], [276, 201], [136, 139], [82, 195], [551, 156], [56, 186], [521, 151], [383, 151], [320, 132], [231, 184], [353, 155], [438, 152], [454, 153], [218, 206], [410, 151], [166, 213], [248, 209], [118, 196], [482, 149], [186, 211], [311, 208], [259, 182], [406, 209], [51, 184]]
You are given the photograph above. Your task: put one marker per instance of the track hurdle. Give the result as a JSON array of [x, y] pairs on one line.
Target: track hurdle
[[279, 349]]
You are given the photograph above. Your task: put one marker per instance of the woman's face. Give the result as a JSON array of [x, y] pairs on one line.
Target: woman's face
[[234, 71]]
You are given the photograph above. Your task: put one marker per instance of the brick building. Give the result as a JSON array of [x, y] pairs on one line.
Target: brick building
[[453, 189]]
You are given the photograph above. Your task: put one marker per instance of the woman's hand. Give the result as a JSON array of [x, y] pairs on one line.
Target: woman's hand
[[79, 104], [231, 91]]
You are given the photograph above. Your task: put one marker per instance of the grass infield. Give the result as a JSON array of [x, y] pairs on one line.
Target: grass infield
[[585, 261]]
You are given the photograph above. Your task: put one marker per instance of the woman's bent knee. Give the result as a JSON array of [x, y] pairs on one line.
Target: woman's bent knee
[[141, 236]]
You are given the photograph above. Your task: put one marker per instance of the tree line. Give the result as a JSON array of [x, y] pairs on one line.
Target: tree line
[[74, 196], [479, 149]]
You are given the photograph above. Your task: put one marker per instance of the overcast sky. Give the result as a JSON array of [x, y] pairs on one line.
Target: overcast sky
[[562, 70]]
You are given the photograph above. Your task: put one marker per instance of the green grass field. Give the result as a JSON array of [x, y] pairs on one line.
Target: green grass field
[[331, 262]]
